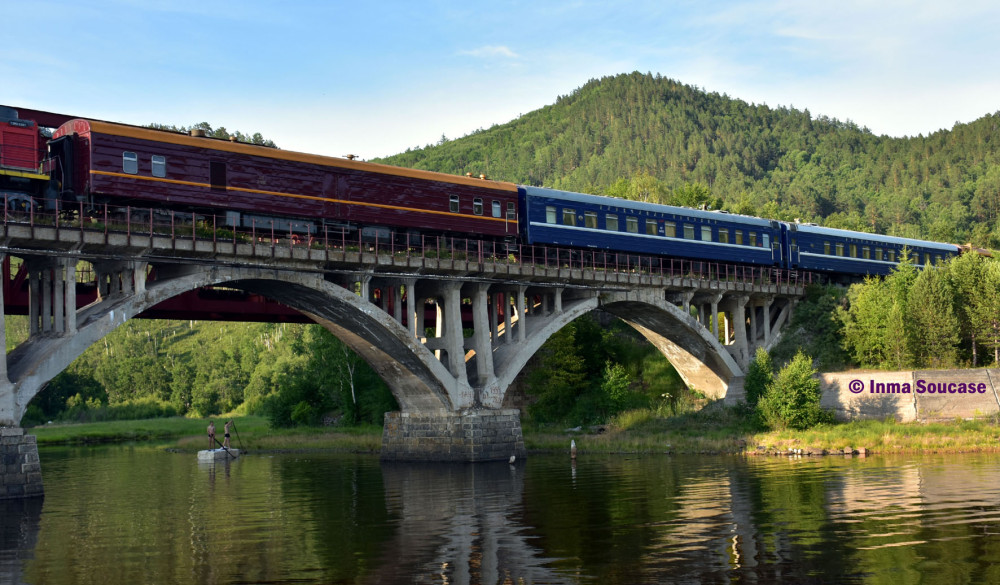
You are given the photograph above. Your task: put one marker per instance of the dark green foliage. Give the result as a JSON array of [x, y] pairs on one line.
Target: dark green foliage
[[940, 317], [294, 374], [760, 374], [594, 368], [935, 328], [646, 136], [792, 399], [815, 329]]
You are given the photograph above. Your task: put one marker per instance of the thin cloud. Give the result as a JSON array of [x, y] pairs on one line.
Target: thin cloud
[[491, 51]]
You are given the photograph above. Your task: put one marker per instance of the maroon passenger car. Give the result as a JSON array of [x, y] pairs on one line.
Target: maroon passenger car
[[248, 184]]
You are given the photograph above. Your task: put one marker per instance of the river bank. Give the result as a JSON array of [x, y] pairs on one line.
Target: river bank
[[710, 431]]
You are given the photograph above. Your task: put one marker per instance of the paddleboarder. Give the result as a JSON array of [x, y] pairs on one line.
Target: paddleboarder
[[225, 440], [211, 433]]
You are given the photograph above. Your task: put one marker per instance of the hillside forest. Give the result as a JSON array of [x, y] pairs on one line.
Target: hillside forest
[[638, 136]]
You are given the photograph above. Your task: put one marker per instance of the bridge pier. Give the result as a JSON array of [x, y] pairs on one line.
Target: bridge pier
[[20, 469], [475, 435]]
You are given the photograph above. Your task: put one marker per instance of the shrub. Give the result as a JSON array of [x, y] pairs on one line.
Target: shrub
[[791, 401], [760, 375]]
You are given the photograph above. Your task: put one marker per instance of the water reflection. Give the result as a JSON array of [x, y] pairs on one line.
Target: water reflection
[[128, 515], [474, 534], [19, 523]]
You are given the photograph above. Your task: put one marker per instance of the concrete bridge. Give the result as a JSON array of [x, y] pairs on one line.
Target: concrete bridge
[[705, 318]]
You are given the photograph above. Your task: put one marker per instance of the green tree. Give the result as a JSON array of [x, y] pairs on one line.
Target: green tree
[[935, 328], [866, 322], [792, 401], [760, 374], [557, 378], [967, 281]]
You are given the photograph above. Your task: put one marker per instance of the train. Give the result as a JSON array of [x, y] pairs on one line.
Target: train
[[88, 164]]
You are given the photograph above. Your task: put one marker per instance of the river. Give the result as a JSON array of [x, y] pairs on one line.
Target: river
[[136, 514]]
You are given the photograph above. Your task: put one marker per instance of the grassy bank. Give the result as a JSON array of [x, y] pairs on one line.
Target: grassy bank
[[188, 434], [724, 430], [711, 430]]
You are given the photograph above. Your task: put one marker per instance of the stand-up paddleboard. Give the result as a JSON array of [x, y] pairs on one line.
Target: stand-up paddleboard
[[214, 454]]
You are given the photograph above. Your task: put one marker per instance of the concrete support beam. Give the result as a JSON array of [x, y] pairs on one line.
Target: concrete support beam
[[409, 285], [454, 340], [481, 338], [507, 337], [522, 314], [740, 330]]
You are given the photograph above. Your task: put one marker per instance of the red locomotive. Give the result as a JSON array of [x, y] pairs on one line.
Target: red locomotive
[[22, 148], [256, 186]]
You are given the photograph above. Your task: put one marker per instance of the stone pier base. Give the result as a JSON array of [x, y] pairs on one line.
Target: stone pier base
[[20, 469], [487, 435]]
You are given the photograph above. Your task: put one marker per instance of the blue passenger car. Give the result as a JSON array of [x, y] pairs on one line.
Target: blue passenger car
[[833, 250], [561, 218]]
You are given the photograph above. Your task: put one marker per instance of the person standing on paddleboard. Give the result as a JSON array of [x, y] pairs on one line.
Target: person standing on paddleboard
[[225, 440], [211, 434]]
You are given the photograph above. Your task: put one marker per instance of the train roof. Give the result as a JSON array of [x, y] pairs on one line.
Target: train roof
[[640, 205], [839, 233], [80, 126]]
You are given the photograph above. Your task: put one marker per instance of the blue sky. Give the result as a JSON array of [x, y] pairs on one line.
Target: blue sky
[[374, 78]]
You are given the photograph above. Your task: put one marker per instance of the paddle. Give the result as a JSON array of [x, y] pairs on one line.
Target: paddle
[[226, 449], [238, 436]]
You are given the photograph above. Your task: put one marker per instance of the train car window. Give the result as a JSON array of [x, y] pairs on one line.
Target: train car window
[[753, 239], [892, 255], [569, 217], [937, 258], [706, 233], [130, 163], [826, 247], [670, 229], [878, 253], [611, 222], [866, 252], [840, 248], [550, 214], [650, 227], [159, 163], [767, 240], [916, 258], [477, 206], [453, 204], [511, 213], [217, 175], [739, 238], [632, 224], [590, 219], [497, 210], [724, 235], [688, 231], [927, 259]]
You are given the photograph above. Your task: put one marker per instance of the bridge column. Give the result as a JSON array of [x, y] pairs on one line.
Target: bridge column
[[481, 342], [740, 347], [767, 319], [450, 330], [411, 305], [522, 317], [507, 333]]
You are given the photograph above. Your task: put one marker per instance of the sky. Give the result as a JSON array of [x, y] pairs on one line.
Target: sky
[[373, 78]]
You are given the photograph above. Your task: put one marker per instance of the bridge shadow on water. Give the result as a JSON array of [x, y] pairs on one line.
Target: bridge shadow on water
[[20, 520]]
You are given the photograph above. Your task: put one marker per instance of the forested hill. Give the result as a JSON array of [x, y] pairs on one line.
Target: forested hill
[[645, 133]]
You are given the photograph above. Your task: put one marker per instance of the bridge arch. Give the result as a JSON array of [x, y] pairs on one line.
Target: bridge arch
[[702, 362], [418, 380]]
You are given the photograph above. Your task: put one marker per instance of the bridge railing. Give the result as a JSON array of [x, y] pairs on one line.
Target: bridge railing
[[176, 225]]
